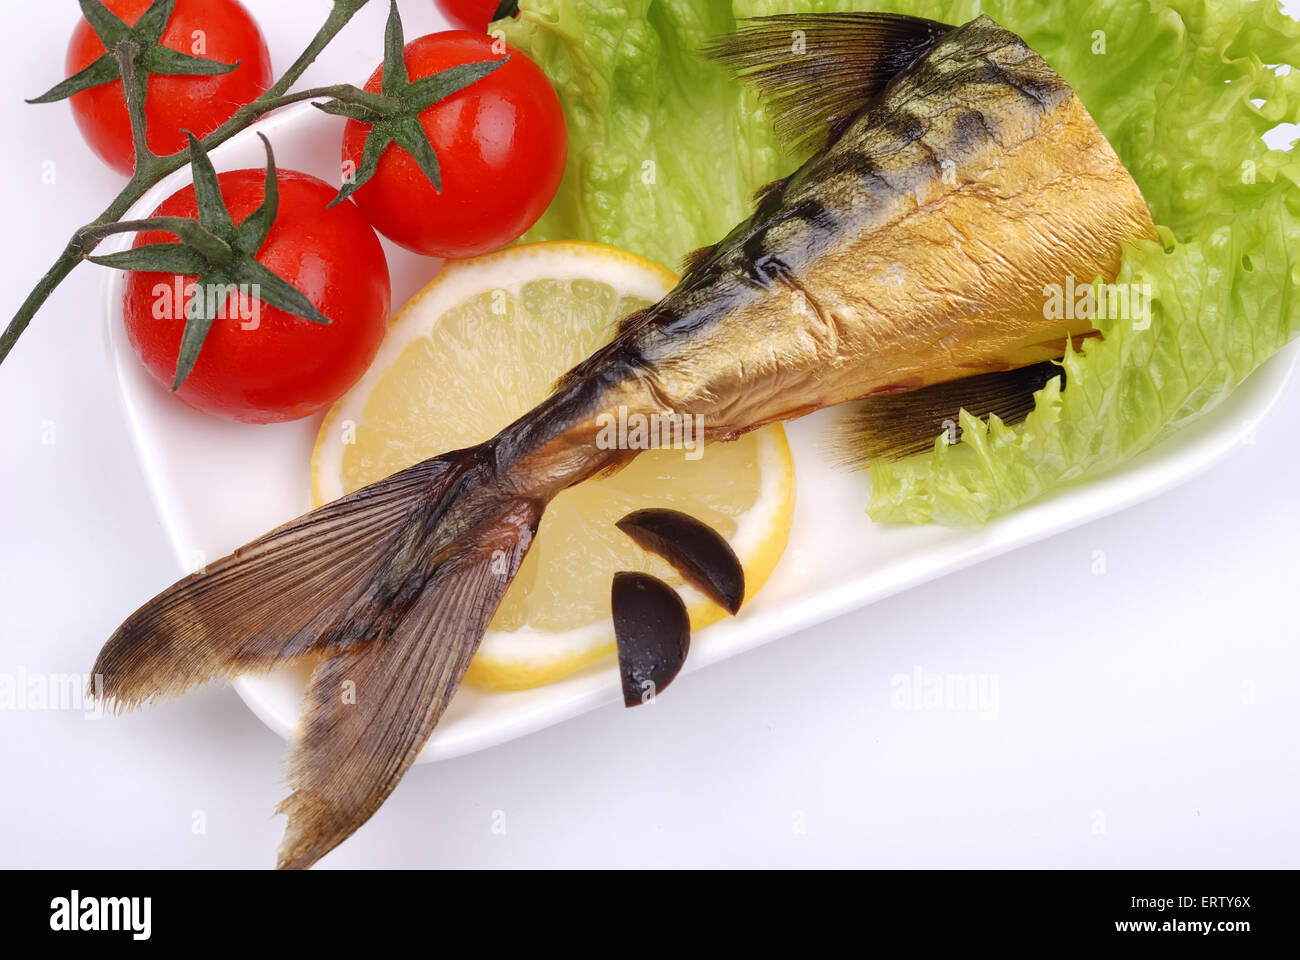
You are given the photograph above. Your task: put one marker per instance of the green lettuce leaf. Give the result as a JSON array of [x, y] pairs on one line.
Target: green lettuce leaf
[[666, 152]]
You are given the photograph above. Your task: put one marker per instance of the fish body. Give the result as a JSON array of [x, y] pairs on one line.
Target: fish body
[[915, 249], [958, 180]]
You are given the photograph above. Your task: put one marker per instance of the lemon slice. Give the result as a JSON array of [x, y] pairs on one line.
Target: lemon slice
[[481, 345]]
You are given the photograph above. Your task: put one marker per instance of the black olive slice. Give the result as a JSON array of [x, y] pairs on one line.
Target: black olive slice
[[695, 550], [653, 634]]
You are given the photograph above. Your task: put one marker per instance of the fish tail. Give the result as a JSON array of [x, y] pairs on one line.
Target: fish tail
[[388, 590]]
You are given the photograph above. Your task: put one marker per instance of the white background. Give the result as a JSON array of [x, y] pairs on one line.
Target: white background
[[1144, 717]]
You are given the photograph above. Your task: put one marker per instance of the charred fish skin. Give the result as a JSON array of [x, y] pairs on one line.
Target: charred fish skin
[[913, 250]]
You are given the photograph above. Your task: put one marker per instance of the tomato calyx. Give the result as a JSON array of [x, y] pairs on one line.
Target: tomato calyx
[[394, 115], [216, 250], [132, 53]]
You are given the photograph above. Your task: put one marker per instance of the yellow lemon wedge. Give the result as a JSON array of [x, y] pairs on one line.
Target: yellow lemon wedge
[[480, 346]]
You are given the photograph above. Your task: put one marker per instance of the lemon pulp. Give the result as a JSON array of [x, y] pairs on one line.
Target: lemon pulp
[[482, 345]]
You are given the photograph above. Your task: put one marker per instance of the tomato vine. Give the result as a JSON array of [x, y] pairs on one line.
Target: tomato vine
[[133, 53]]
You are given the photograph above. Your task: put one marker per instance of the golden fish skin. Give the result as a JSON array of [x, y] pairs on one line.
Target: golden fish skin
[[913, 250]]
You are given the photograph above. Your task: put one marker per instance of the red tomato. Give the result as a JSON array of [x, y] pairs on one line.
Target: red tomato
[[219, 30], [501, 146], [261, 364], [469, 14]]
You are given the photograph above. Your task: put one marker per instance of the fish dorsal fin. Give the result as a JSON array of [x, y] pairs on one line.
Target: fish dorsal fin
[[765, 197], [900, 425], [818, 70], [697, 258]]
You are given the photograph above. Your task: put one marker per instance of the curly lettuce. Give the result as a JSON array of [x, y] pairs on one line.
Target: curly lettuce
[[666, 151]]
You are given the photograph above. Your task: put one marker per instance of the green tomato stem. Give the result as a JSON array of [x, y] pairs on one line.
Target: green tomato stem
[[151, 168]]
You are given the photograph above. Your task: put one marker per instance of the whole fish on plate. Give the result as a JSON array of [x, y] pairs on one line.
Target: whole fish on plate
[[957, 176]]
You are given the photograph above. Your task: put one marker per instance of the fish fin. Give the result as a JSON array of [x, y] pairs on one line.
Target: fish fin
[[767, 192], [305, 588], [816, 71], [630, 322], [369, 710], [697, 258], [766, 198], [594, 362], [391, 588], [900, 425]]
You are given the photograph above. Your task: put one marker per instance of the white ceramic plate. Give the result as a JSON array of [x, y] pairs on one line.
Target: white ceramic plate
[[218, 485]]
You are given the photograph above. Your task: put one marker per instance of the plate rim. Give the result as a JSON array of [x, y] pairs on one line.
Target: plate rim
[[1185, 454]]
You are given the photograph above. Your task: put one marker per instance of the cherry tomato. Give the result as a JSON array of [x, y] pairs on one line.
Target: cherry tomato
[[469, 14], [261, 364], [219, 30], [501, 146]]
